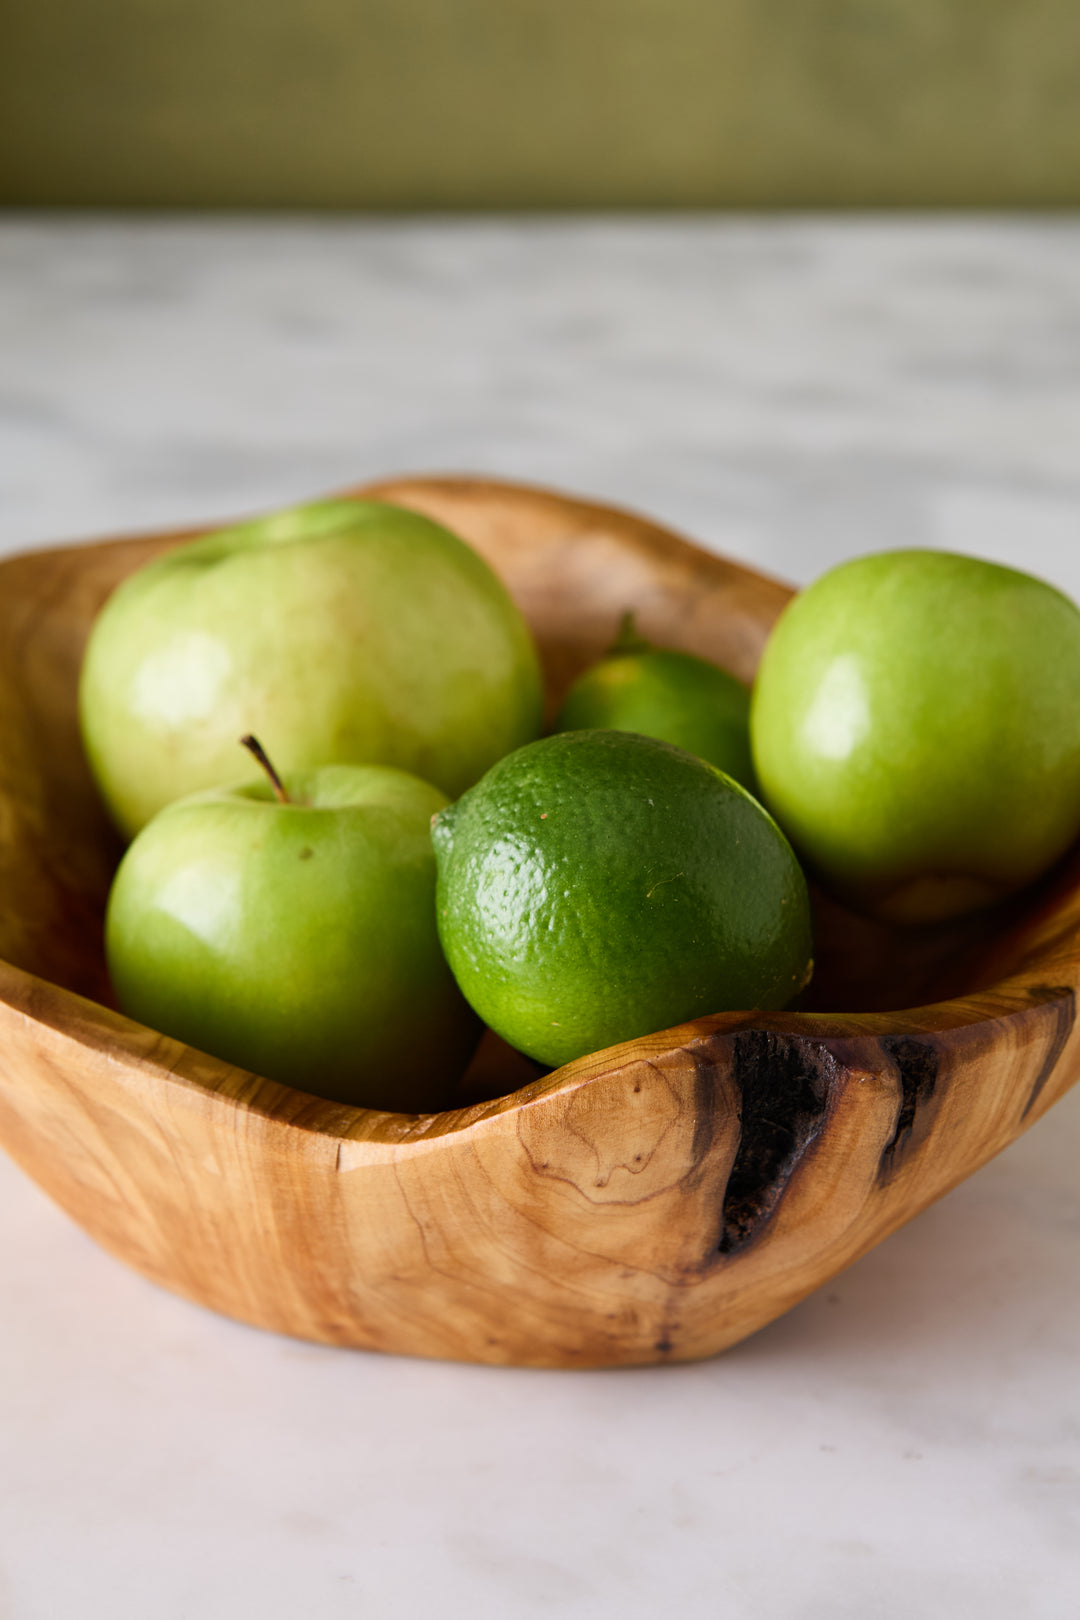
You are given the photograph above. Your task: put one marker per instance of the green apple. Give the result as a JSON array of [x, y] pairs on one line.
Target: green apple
[[297, 939], [342, 632], [674, 696], [916, 730]]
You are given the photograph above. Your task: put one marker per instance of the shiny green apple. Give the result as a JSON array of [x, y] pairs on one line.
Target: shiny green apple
[[341, 632], [298, 940], [916, 730]]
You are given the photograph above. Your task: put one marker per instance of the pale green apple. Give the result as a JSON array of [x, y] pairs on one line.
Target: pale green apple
[[341, 632], [297, 940], [916, 730]]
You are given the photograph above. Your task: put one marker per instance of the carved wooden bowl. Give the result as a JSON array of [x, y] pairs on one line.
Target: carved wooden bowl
[[657, 1201]]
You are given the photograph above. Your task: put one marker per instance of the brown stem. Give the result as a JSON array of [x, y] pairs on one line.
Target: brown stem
[[254, 746]]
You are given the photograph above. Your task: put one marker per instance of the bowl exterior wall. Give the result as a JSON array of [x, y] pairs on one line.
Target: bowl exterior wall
[[654, 1202]]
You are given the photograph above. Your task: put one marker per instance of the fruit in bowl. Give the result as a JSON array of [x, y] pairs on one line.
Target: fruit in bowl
[[290, 928], [916, 731], [652, 1202], [662, 692], [342, 632], [599, 885]]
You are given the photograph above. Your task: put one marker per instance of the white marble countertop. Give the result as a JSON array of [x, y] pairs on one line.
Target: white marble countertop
[[903, 1446]]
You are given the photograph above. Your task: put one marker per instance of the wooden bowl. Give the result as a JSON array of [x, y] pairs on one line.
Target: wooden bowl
[[657, 1201]]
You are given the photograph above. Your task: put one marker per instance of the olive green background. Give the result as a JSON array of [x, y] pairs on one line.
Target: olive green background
[[539, 103]]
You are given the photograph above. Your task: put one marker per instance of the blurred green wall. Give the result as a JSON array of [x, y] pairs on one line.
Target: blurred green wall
[[539, 103]]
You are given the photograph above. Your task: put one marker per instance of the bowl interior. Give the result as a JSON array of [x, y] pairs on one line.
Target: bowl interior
[[574, 569]]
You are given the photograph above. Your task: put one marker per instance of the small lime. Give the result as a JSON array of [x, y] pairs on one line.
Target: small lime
[[659, 692], [597, 885]]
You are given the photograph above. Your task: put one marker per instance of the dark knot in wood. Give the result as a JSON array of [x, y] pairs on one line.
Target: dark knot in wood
[[783, 1083]]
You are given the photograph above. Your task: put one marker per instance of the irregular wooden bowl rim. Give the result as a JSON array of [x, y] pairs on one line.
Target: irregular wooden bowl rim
[[74, 1070]]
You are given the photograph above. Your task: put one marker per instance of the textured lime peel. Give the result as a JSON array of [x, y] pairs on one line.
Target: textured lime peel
[[597, 886]]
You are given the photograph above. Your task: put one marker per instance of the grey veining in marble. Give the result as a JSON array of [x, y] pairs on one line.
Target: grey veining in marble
[[903, 1446], [786, 390]]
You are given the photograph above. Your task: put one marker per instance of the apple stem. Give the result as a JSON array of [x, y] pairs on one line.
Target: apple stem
[[254, 746]]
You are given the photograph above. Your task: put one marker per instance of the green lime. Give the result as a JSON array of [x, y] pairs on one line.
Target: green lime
[[658, 692], [598, 885]]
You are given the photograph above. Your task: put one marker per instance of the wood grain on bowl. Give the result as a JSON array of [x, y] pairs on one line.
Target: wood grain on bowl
[[657, 1201]]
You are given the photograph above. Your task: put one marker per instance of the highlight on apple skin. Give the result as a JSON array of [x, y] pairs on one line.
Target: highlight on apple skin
[[340, 632], [298, 939], [916, 731]]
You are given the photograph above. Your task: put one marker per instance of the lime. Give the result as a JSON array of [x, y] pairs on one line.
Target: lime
[[597, 885], [659, 692]]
